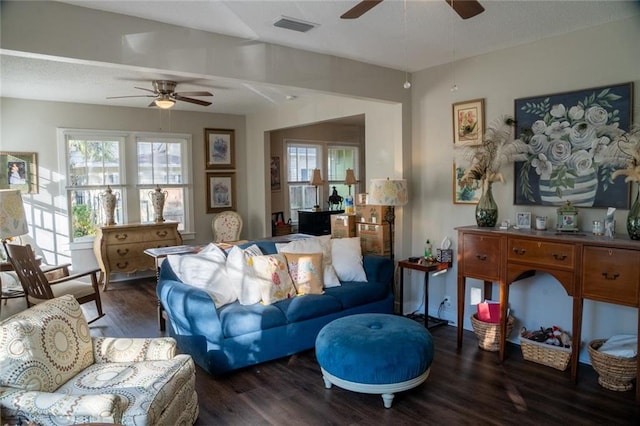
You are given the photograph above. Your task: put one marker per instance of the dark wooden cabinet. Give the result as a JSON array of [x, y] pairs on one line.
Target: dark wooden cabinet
[[316, 222], [588, 267]]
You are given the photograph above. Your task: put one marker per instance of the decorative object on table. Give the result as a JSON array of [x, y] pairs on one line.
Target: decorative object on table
[[625, 153], [547, 346], [21, 172], [485, 162], [350, 179], [523, 220], [541, 223], [390, 193], [468, 122], [13, 221], [109, 201], [220, 148], [316, 180], [562, 138], [221, 191], [428, 254], [615, 372], [158, 197], [335, 200], [488, 334], [597, 228], [567, 218], [610, 223]]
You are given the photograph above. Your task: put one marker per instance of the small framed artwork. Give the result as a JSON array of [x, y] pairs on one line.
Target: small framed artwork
[[464, 191], [221, 191], [20, 171], [275, 173], [468, 122], [523, 220], [220, 148]]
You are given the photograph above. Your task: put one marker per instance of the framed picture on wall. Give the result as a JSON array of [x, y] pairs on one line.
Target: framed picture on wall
[[220, 148], [464, 191], [275, 173], [20, 171], [468, 122], [571, 130], [221, 191]]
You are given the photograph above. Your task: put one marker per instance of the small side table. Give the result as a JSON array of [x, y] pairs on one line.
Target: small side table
[[425, 266]]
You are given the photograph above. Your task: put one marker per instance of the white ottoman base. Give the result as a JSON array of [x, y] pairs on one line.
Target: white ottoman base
[[387, 390]]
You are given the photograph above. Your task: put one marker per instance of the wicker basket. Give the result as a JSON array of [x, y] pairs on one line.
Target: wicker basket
[[489, 333], [615, 373], [552, 356]]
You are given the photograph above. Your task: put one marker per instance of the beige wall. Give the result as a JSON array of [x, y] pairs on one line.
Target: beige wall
[[590, 58], [31, 126]]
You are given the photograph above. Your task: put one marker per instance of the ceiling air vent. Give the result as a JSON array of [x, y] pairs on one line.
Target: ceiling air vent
[[294, 24]]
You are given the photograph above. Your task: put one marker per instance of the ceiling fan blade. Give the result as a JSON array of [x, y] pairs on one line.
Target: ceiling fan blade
[[142, 88], [360, 9], [191, 100], [193, 94], [152, 104], [466, 8], [132, 96]]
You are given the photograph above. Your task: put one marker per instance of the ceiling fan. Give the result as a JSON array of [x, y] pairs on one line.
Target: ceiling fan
[[465, 8], [166, 96]]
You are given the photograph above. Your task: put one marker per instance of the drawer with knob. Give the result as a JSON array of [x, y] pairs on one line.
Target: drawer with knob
[[541, 253], [481, 256], [611, 275]]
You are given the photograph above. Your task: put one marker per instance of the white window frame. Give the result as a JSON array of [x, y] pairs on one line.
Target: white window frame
[[323, 160], [130, 190]]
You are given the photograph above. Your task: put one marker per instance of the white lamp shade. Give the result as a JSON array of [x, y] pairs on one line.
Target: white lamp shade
[[13, 221], [388, 192], [316, 179], [350, 178]]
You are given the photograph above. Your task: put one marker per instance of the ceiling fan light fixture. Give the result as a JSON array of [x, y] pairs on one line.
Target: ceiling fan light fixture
[[164, 102]]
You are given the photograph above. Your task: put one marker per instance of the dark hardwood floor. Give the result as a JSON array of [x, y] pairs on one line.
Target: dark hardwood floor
[[465, 387]]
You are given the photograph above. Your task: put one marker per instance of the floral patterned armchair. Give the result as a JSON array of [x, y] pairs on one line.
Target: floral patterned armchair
[[52, 372]]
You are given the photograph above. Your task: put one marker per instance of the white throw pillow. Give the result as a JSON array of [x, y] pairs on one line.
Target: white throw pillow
[[207, 271], [347, 259], [241, 274], [314, 245]]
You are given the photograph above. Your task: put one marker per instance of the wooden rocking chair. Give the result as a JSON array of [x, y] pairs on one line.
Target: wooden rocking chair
[[39, 288]]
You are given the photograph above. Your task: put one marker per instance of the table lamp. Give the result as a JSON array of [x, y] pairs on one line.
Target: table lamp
[[316, 180], [13, 221], [390, 193]]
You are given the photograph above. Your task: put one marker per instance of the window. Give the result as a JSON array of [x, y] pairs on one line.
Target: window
[[133, 165], [303, 157], [301, 161]]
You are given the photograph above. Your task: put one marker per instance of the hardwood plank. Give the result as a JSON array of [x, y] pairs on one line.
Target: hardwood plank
[[467, 386]]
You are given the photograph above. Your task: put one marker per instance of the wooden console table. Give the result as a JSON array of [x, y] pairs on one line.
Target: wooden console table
[[591, 267], [120, 248]]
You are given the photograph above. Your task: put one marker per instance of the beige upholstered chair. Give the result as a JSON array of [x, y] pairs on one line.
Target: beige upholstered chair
[[226, 226], [52, 372], [40, 288]]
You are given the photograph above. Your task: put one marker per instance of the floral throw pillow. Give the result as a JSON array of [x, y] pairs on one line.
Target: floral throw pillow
[[272, 275], [306, 271]]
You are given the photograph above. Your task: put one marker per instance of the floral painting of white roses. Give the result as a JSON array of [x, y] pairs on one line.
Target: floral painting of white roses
[[561, 138]]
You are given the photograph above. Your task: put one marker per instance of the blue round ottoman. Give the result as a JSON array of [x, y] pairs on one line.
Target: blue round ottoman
[[374, 353]]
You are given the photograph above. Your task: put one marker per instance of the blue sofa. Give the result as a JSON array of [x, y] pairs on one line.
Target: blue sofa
[[236, 336]]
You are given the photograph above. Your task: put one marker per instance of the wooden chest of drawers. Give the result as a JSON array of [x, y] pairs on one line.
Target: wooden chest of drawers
[[120, 248]]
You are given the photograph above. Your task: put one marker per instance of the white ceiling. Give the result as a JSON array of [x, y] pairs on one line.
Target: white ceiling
[[434, 35]]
